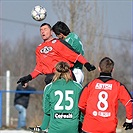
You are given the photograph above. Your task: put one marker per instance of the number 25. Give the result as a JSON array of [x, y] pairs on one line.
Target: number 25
[[58, 105]]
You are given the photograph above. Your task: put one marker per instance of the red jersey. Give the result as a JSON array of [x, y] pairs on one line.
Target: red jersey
[[99, 101], [48, 54]]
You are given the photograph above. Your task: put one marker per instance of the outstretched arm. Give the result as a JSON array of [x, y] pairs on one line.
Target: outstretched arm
[[71, 55]]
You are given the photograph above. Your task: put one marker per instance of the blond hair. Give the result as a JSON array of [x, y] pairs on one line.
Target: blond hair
[[62, 71]]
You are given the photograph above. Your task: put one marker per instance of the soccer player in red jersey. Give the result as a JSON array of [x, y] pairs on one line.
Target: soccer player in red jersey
[[49, 53], [99, 102]]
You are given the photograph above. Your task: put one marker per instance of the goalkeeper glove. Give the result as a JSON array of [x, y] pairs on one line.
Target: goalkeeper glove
[[24, 79], [128, 124], [89, 66]]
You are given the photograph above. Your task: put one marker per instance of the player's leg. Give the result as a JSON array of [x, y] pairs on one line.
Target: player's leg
[[78, 75]]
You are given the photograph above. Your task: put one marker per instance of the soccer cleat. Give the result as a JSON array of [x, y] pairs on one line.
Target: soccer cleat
[[37, 129]]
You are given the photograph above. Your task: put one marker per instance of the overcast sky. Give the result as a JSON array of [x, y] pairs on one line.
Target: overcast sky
[[118, 17]]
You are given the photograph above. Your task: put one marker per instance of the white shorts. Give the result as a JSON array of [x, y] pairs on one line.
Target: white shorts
[[78, 75]]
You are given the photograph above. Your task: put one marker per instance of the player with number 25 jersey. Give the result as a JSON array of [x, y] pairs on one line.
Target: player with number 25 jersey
[[60, 101], [99, 102]]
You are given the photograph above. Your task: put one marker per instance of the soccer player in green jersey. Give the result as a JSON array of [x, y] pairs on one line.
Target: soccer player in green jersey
[[62, 31], [60, 101]]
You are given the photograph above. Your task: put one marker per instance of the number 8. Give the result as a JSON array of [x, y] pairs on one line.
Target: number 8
[[102, 100]]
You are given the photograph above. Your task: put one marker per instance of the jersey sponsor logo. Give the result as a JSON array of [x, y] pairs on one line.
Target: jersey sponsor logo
[[103, 86], [63, 115], [102, 114], [46, 49]]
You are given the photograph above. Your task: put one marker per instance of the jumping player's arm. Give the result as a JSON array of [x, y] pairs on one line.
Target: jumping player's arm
[[37, 70], [71, 55]]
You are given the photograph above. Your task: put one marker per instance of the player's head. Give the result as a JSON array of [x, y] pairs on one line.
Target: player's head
[[46, 24], [106, 65], [61, 30], [62, 71], [46, 32]]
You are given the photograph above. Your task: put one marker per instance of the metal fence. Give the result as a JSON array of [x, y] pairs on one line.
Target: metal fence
[[8, 113]]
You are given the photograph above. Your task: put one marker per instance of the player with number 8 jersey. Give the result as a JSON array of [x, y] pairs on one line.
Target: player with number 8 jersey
[[99, 102]]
